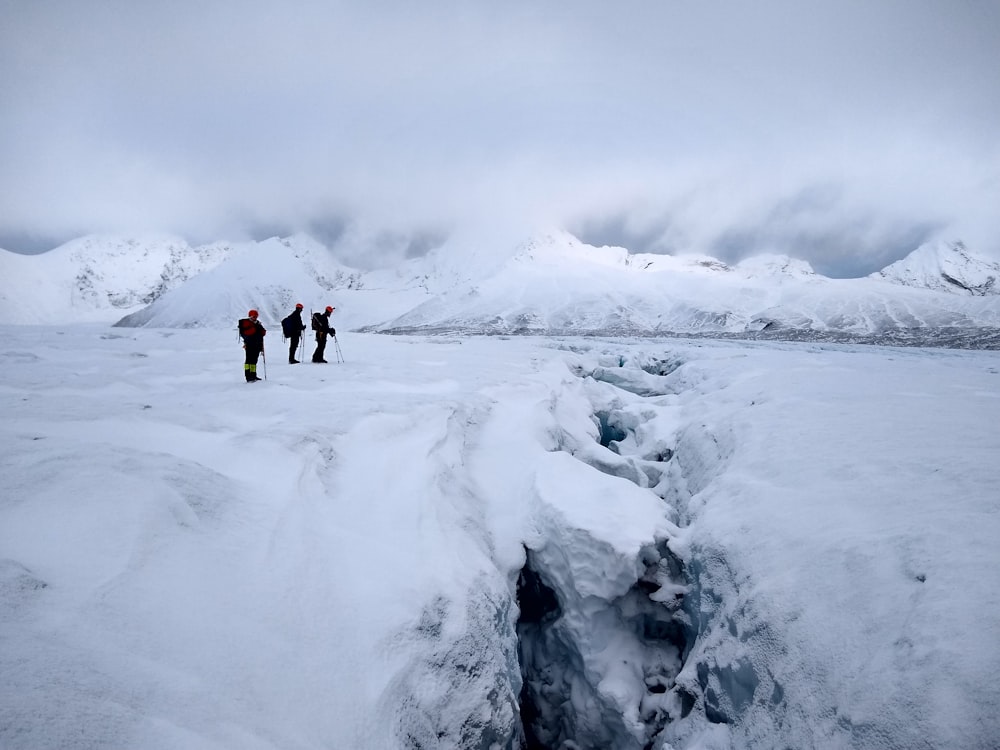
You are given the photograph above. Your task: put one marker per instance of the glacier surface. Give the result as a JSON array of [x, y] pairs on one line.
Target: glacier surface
[[496, 543]]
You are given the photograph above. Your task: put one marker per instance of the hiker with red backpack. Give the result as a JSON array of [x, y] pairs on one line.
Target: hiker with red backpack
[[252, 333], [321, 324], [292, 327]]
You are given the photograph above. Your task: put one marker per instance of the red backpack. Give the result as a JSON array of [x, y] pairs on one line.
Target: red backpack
[[248, 327]]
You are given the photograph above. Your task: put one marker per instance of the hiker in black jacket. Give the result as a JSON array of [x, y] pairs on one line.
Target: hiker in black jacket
[[321, 324], [292, 327], [252, 333]]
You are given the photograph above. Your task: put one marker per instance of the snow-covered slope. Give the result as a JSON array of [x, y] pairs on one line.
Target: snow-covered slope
[[98, 278], [945, 266]]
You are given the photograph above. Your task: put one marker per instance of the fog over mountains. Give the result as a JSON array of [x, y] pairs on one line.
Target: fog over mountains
[[942, 293]]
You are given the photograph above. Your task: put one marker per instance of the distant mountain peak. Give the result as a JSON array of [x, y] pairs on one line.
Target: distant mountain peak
[[945, 266], [770, 264], [560, 248]]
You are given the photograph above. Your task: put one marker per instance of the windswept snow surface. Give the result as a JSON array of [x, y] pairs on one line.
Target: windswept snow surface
[[715, 544]]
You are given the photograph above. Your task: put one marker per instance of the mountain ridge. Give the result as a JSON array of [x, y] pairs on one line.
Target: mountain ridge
[[550, 283]]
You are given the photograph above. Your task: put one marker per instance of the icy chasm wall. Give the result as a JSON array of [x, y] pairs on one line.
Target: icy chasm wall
[[699, 648], [634, 632], [602, 633], [589, 656], [462, 689]]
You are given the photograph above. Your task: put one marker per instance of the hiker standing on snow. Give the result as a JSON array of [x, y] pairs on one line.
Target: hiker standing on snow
[[321, 324], [292, 327], [252, 333]]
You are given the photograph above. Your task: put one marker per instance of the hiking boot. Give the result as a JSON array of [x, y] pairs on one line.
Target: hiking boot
[[293, 361]]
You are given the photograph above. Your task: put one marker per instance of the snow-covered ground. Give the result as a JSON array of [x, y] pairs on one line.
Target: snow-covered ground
[[714, 544]]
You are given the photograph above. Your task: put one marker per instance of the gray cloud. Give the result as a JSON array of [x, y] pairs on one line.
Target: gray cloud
[[816, 223], [690, 127]]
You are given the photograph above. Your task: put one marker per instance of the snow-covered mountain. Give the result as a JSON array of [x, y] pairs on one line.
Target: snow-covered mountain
[[271, 276], [552, 284], [945, 266], [556, 284], [98, 278]]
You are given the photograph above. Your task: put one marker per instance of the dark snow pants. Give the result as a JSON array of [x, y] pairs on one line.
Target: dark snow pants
[[250, 366], [320, 346]]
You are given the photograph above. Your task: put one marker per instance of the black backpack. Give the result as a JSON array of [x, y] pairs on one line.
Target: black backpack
[[316, 324], [289, 327]]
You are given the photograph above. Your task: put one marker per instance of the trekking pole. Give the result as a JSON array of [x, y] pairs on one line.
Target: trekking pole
[[336, 344], [263, 357]]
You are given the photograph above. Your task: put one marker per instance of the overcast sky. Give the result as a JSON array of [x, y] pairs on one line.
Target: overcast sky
[[844, 132]]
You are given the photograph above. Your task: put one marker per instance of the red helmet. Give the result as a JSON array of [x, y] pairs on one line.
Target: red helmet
[[252, 313], [298, 306], [329, 309]]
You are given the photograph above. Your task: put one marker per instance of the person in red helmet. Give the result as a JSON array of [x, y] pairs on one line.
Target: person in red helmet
[[321, 324], [292, 327], [252, 333]]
